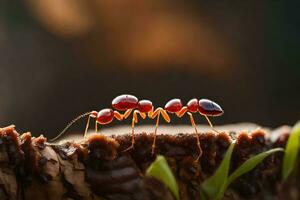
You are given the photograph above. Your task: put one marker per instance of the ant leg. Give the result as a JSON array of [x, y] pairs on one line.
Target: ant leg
[[142, 114], [154, 139], [164, 113], [182, 111], [134, 120], [132, 134], [127, 113], [118, 116], [154, 114], [197, 135], [210, 124], [87, 126], [165, 116], [96, 127], [150, 113]]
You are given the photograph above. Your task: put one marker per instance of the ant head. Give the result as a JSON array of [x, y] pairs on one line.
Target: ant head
[[105, 116], [93, 114]]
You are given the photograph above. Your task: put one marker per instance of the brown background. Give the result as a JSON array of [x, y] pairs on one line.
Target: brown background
[[58, 60]]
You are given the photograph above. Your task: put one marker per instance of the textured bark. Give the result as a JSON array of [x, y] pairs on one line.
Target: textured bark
[[98, 168]]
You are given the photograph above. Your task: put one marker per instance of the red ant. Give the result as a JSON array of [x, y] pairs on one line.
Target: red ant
[[129, 103]]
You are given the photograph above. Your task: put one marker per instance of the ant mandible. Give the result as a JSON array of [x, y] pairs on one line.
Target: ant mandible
[[204, 106]]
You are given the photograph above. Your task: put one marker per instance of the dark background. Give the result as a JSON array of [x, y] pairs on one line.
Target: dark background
[[58, 59]]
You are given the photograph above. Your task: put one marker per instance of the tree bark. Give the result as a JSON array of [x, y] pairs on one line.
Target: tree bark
[[98, 167]]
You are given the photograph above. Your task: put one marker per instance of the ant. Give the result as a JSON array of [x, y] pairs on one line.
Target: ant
[[125, 102], [130, 103], [204, 106]]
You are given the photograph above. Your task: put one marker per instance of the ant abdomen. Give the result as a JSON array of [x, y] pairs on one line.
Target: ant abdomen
[[209, 108]]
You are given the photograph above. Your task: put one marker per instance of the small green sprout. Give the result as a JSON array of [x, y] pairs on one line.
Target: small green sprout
[[215, 186], [291, 151], [161, 170]]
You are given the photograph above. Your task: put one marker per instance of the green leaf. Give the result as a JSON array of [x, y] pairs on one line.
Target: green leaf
[[212, 186], [215, 186], [161, 170], [291, 151], [250, 164], [247, 166]]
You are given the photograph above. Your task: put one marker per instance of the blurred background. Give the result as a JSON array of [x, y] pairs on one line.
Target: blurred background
[[62, 58]]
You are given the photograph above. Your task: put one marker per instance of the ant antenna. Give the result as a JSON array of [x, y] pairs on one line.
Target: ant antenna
[[69, 125]]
